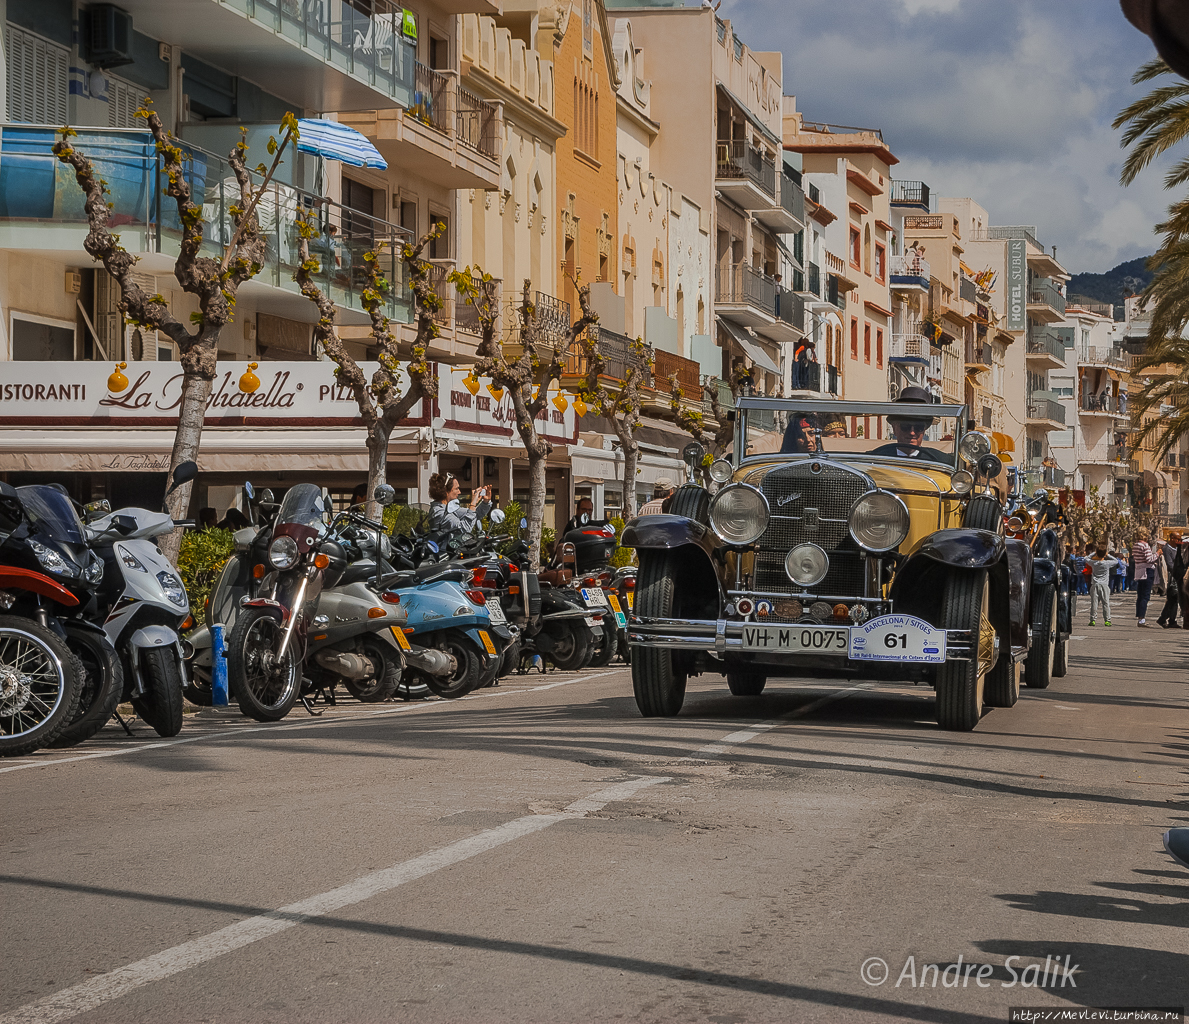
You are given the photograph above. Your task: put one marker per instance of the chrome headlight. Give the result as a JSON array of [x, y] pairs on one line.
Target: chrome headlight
[[961, 482], [974, 446], [93, 573], [878, 521], [283, 553], [172, 587], [129, 559], [52, 560], [739, 514], [720, 471], [807, 564]]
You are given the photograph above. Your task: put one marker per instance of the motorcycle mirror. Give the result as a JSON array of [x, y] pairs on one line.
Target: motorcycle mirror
[[434, 549], [610, 528], [95, 509], [266, 496], [249, 490], [385, 494], [185, 472], [497, 516], [523, 523]]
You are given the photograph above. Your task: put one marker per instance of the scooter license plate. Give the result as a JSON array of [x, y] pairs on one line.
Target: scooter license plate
[[402, 641], [631, 602], [590, 621], [487, 642], [496, 613], [594, 597], [619, 615]]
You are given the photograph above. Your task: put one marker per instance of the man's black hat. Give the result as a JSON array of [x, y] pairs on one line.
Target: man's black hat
[[914, 395]]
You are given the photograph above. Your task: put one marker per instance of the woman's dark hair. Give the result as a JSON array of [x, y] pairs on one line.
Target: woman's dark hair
[[796, 441], [439, 486]]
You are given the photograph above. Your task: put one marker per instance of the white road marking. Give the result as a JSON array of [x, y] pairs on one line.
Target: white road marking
[[220, 737], [94, 992], [751, 732]]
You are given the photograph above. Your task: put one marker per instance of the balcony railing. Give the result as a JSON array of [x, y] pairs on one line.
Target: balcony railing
[[806, 376], [619, 354], [1102, 454], [466, 316], [909, 266], [910, 193], [909, 346], [32, 202], [743, 284], [813, 194], [1101, 354], [737, 160], [1003, 232], [552, 317], [433, 98], [689, 374], [968, 290], [1045, 409], [1104, 403], [792, 199], [1041, 342], [978, 354], [1044, 293], [790, 308], [478, 125], [815, 279], [441, 103]]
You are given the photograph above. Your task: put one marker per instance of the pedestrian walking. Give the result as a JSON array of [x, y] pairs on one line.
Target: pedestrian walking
[[1145, 558], [1173, 581], [1119, 577], [1101, 565]]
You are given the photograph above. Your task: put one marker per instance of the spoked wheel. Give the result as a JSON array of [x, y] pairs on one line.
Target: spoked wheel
[[960, 684], [467, 672], [265, 687], [101, 689], [40, 684]]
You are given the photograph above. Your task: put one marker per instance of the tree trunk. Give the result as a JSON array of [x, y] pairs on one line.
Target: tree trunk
[[377, 465], [196, 392], [536, 505]]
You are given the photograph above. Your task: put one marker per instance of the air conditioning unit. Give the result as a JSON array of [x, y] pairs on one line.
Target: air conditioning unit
[[106, 36], [74, 282]]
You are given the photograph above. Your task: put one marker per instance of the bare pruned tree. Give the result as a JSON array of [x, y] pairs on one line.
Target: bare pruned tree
[[214, 281], [621, 408], [382, 402], [539, 365]]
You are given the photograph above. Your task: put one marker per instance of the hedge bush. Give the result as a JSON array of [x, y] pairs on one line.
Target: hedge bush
[[201, 559]]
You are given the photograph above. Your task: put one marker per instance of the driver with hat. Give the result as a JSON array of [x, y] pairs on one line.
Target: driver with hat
[[909, 429]]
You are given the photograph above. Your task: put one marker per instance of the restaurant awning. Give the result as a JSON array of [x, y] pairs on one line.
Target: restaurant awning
[[751, 347]]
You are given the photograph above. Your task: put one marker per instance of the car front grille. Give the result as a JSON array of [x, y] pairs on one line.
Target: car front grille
[[808, 506]]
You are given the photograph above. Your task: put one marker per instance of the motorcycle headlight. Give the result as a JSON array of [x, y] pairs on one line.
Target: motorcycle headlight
[[961, 482], [720, 471], [974, 446], [93, 573], [52, 560], [283, 553], [129, 559], [739, 514], [807, 564], [878, 521], [173, 588]]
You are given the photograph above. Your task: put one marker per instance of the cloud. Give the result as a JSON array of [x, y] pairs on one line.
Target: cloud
[[1009, 102]]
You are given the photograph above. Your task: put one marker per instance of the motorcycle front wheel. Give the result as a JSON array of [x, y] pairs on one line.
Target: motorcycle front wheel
[[40, 685], [265, 687], [161, 703]]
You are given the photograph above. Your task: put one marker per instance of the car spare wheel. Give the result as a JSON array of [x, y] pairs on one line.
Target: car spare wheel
[[658, 683], [983, 512], [960, 684], [691, 501]]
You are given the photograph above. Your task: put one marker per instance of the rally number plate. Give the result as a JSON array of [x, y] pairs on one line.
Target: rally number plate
[[897, 638], [796, 639]]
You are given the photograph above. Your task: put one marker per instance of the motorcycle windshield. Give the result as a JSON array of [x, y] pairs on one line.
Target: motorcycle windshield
[[53, 514], [303, 505]]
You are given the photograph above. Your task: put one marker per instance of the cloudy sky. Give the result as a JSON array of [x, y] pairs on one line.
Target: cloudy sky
[[1007, 101]]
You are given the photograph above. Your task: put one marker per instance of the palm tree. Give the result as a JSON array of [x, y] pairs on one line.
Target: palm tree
[[1155, 124]]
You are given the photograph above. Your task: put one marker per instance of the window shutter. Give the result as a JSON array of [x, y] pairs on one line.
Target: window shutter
[[37, 78], [123, 100]]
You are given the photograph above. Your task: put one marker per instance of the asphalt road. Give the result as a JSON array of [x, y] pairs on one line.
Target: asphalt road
[[539, 852]]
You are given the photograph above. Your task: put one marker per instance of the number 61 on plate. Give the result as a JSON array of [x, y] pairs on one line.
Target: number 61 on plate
[[897, 638]]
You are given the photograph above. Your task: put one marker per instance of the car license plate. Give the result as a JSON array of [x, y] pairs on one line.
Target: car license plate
[[619, 615], [496, 612], [897, 638], [594, 597], [796, 639]]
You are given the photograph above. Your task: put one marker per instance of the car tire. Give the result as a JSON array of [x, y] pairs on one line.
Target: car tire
[[1041, 662], [691, 501], [746, 682], [983, 512], [658, 684], [1003, 681], [961, 684], [1060, 658]]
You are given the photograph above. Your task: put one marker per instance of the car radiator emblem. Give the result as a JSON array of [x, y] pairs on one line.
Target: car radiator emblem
[[809, 520]]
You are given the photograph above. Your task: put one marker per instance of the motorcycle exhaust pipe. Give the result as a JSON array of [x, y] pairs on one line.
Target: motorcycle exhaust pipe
[[431, 662], [345, 664]]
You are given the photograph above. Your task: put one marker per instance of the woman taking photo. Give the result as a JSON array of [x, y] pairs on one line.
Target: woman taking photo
[[446, 514]]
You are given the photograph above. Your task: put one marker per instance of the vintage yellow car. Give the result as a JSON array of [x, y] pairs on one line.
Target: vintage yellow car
[[844, 538]]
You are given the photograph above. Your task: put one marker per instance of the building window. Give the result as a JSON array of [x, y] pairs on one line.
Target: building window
[[587, 27], [881, 263], [856, 251], [854, 338], [866, 343], [867, 250], [439, 248], [586, 112], [408, 217], [39, 339], [878, 347], [38, 76]]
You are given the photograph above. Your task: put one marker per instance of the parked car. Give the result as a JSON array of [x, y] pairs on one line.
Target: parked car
[[856, 539]]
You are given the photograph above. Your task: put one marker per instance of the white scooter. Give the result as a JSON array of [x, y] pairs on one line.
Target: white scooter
[[144, 605]]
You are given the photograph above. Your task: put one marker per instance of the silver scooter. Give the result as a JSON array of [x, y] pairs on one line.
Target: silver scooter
[[144, 605]]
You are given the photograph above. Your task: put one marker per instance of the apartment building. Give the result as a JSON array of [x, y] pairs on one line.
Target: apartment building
[[847, 172]]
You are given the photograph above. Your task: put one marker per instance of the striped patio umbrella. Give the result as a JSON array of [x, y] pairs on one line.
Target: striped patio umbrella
[[333, 141]]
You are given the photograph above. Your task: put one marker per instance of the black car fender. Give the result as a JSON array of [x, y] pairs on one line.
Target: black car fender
[[1047, 545], [699, 574], [1044, 572]]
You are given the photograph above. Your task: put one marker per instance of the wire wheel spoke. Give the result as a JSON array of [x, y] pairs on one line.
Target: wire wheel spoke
[[32, 682], [268, 679]]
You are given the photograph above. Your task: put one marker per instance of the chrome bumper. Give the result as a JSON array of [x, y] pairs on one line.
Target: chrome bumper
[[723, 636]]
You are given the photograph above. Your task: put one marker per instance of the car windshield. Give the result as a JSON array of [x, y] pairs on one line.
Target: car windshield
[[898, 430], [303, 505], [52, 512]]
